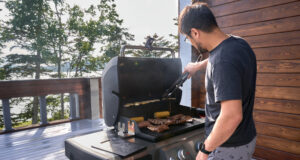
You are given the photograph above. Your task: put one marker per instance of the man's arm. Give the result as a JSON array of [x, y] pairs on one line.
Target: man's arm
[[230, 117], [192, 68]]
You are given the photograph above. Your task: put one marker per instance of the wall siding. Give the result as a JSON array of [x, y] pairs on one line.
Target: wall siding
[[272, 28]]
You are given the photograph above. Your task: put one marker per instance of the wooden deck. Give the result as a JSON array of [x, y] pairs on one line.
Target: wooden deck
[[44, 142]]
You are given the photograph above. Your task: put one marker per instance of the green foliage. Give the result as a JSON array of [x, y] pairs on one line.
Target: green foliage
[[105, 31], [26, 112], [3, 73], [159, 41], [26, 29], [53, 102], [37, 27], [57, 37], [16, 119], [115, 34], [1, 40], [19, 65], [22, 124]]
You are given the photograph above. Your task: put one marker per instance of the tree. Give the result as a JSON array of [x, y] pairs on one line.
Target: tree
[[115, 35], [2, 70], [26, 28], [57, 41], [83, 41], [104, 29], [159, 41]]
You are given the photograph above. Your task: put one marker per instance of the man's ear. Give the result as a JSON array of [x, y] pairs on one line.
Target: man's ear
[[195, 33]]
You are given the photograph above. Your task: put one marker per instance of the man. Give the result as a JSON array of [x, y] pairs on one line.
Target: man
[[230, 84]]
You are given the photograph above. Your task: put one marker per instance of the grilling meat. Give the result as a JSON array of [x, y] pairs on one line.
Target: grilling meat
[[177, 116], [182, 119], [161, 121], [159, 128], [144, 124], [160, 125]]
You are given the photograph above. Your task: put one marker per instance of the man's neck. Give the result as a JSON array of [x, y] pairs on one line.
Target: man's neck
[[215, 38]]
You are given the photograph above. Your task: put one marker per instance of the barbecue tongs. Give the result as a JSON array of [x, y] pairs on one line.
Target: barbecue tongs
[[178, 83]]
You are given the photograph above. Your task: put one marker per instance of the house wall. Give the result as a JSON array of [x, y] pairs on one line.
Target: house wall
[[272, 28]]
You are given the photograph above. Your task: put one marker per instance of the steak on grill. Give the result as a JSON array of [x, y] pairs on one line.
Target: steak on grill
[[161, 121], [160, 125], [159, 128], [144, 124], [177, 116], [183, 119]]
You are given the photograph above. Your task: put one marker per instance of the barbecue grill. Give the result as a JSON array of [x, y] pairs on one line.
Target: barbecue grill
[[133, 87]]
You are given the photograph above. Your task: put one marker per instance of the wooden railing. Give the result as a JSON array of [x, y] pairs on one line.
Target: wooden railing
[[78, 89]]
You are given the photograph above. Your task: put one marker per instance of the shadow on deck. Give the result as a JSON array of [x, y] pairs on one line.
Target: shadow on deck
[[44, 142]]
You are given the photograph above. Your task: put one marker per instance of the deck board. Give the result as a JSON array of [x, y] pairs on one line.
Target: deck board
[[44, 142]]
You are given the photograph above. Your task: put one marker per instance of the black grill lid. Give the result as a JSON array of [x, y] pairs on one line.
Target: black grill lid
[[146, 78]]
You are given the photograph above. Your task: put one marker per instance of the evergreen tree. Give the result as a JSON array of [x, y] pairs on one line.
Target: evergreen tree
[[159, 41], [57, 38], [2, 70], [26, 29], [114, 34]]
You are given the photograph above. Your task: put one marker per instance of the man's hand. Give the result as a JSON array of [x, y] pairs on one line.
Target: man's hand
[[201, 156], [192, 68], [229, 119]]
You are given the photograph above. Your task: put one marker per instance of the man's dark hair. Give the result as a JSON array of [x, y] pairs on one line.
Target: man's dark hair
[[198, 16]]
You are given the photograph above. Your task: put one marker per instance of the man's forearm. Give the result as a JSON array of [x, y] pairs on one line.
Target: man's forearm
[[192, 68], [224, 127], [202, 64]]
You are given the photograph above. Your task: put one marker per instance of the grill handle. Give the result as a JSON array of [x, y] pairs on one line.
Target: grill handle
[[124, 47]]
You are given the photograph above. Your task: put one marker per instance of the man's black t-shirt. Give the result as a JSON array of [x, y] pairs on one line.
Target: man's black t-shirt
[[231, 75]]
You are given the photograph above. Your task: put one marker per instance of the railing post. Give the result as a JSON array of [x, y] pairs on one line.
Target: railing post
[[6, 115], [43, 110], [74, 106], [95, 106]]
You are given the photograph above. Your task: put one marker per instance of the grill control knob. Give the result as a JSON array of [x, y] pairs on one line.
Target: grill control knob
[[181, 154], [197, 146]]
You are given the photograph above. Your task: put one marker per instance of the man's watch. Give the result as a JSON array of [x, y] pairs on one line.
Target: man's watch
[[202, 149]]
